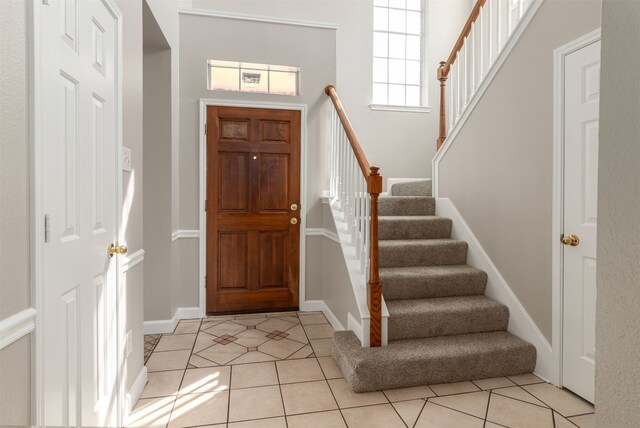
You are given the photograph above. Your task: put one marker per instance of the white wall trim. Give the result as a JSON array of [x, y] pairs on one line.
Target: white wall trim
[[520, 323], [321, 306], [477, 96], [168, 326], [257, 18], [17, 326], [557, 222], [132, 260], [135, 391], [320, 231], [302, 108], [185, 234]]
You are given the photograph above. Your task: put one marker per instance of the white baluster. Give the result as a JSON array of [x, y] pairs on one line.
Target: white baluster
[[509, 18], [499, 21], [472, 76], [465, 78], [520, 9], [490, 31], [458, 96], [482, 29], [450, 98]]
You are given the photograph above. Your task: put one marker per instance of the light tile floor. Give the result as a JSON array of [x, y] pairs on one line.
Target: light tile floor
[[276, 370]]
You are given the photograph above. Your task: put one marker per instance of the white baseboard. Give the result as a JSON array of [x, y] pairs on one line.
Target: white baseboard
[[135, 391], [168, 326], [520, 323], [320, 306]]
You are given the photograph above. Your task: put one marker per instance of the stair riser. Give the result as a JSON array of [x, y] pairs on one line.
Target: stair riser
[[375, 376], [439, 228], [445, 323], [454, 253], [402, 288], [388, 206], [415, 188]]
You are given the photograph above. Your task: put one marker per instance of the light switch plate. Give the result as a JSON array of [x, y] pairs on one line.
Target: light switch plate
[[126, 159]]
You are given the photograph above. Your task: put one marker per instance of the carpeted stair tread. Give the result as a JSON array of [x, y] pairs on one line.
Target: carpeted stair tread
[[414, 227], [433, 360], [415, 318], [422, 252], [412, 188], [423, 282], [406, 205]]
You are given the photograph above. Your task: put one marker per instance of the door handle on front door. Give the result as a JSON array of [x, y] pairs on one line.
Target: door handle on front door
[[113, 249], [293, 221], [571, 240]]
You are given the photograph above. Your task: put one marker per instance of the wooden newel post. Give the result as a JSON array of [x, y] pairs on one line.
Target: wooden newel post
[[442, 77], [374, 289]]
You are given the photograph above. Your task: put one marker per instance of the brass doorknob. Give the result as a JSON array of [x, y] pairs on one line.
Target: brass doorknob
[[293, 221], [294, 207], [571, 240], [120, 250]]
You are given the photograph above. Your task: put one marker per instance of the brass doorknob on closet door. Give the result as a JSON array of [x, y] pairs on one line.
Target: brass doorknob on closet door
[[571, 240], [293, 221], [120, 250]]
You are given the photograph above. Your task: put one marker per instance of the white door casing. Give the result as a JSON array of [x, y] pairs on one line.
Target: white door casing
[[581, 119], [78, 146]]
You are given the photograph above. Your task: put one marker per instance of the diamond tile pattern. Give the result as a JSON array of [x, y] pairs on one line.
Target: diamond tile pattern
[[276, 369]]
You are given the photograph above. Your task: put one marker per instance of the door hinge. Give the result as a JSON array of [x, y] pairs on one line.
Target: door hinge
[[205, 129], [47, 231], [205, 204]]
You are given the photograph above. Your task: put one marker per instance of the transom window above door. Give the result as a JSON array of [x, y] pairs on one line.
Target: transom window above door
[[252, 77], [398, 30]]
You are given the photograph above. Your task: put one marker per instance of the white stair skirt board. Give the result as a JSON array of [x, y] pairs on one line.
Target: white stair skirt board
[[134, 393], [17, 326], [486, 82], [168, 326], [520, 323], [357, 278]]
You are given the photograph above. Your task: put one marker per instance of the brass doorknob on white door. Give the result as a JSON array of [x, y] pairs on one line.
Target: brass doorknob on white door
[[120, 250], [571, 240], [293, 221]]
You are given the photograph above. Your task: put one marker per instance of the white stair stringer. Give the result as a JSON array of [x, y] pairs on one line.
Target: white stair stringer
[[358, 323]]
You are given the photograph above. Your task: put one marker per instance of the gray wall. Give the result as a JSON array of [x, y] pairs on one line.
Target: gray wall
[[618, 302], [203, 38], [400, 143], [498, 172], [132, 181], [15, 370], [158, 291]]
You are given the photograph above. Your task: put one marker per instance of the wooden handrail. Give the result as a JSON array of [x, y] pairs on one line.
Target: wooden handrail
[[466, 30], [445, 67], [330, 90], [374, 188]]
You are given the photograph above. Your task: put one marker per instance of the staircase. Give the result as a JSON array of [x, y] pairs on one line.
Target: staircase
[[441, 327]]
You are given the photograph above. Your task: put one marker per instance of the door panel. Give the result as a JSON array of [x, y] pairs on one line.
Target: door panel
[[79, 124], [581, 117], [253, 179]]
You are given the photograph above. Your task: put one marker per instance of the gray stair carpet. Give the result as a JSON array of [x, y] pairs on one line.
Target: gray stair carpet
[[442, 328]]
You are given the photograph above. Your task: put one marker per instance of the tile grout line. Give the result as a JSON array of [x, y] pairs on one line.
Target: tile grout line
[[420, 412], [486, 412], [459, 411], [183, 375]]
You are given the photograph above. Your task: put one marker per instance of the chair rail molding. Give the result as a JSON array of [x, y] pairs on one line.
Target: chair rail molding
[[185, 234], [17, 326], [132, 260]]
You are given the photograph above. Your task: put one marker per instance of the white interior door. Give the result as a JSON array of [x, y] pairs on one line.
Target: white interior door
[[80, 139], [581, 118]]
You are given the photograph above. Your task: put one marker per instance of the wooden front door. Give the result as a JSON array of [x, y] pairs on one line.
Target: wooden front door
[[253, 209]]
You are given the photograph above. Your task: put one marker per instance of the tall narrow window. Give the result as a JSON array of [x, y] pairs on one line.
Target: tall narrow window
[[397, 52]]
